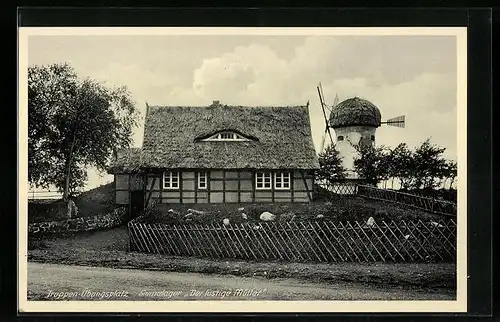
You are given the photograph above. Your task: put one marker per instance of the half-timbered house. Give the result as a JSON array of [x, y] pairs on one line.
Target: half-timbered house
[[219, 154]]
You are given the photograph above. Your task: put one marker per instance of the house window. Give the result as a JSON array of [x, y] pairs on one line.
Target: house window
[[202, 180], [263, 180], [171, 180], [227, 136], [282, 180], [340, 138]]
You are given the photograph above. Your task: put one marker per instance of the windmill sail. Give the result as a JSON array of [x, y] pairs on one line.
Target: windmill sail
[[323, 108], [320, 94], [335, 102], [398, 121]]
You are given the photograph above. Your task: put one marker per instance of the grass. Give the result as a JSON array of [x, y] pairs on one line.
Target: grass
[[96, 201], [109, 249], [338, 208]]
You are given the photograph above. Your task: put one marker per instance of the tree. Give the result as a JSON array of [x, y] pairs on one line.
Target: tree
[[372, 163], [402, 165], [331, 169], [449, 172], [73, 123], [429, 165]]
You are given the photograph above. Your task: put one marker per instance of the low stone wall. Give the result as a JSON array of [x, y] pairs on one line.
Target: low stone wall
[[113, 219]]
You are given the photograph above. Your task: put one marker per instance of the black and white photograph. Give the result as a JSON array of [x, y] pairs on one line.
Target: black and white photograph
[[242, 169]]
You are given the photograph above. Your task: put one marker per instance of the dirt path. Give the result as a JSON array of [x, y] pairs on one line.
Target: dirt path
[[55, 281]]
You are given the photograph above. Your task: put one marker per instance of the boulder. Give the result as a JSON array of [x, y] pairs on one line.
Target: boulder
[[370, 222], [196, 212], [267, 216], [72, 209], [173, 212]]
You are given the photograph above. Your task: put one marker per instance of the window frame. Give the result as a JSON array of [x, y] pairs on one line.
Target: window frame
[[204, 175], [263, 175], [226, 136], [170, 176], [282, 175], [234, 137]]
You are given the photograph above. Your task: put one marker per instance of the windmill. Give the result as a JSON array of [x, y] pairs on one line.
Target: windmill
[[354, 121]]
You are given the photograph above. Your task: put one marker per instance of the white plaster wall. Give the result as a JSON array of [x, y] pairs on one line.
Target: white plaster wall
[[352, 135]]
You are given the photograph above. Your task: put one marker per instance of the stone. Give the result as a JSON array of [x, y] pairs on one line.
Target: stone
[[196, 212], [320, 216], [244, 216], [267, 216], [225, 221], [370, 222], [72, 209], [241, 209], [173, 212]]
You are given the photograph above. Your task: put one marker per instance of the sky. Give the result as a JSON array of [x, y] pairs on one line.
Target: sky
[[415, 76]]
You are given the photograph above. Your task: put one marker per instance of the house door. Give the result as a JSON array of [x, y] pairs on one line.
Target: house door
[[136, 203]]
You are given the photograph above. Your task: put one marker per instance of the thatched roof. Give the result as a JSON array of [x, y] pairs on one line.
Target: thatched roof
[[127, 160], [353, 112], [280, 139]]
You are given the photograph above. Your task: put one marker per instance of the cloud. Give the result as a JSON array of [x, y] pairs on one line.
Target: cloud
[[347, 66], [246, 75]]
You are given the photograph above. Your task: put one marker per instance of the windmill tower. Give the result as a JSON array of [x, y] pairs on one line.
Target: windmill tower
[[354, 121]]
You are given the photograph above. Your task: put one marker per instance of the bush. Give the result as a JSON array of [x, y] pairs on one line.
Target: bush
[[322, 194]]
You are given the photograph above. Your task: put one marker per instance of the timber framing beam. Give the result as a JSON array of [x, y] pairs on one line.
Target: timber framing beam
[[151, 188], [305, 184]]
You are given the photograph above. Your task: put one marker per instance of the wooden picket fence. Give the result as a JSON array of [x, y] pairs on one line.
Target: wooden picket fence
[[432, 205], [315, 241], [343, 189]]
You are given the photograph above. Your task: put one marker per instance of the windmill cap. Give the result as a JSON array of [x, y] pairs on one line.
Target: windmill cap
[[355, 112]]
